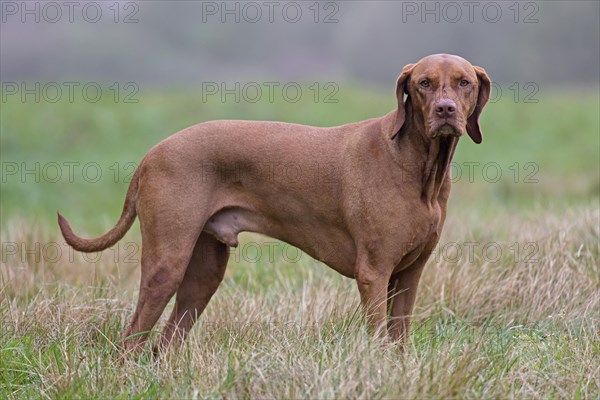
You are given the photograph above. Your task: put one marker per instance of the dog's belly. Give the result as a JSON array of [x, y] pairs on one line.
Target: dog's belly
[[324, 243]]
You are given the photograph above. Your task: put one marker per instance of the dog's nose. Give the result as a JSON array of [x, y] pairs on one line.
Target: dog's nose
[[445, 108]]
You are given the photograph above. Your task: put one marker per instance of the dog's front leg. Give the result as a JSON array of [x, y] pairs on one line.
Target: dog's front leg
[[402, 294], [372, 285]]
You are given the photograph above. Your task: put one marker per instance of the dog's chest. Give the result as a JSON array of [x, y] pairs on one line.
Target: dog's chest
[[427, 224], [420, 237]]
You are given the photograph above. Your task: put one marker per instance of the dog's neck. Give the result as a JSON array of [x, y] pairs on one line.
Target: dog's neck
[[432, 155]]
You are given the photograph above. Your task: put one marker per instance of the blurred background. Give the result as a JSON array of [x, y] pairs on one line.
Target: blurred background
[[89, 87]]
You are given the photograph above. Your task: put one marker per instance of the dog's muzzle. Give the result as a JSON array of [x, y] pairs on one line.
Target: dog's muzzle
[[446, 128]]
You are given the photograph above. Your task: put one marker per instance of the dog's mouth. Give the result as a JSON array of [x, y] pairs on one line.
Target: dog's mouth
[[446, 128]]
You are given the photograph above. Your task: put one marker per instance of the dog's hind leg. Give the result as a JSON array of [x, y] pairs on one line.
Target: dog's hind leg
[[169, 235], [203, 276]]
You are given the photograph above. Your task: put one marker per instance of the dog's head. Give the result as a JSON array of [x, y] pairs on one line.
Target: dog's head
[[445, 94]]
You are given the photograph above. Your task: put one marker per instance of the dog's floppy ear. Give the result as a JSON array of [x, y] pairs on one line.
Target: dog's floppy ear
[[401, 88], [482, 98]]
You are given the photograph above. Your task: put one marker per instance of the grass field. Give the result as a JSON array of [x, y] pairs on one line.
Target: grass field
[[509, 305]]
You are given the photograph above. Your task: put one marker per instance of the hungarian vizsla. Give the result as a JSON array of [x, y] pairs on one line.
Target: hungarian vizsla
[[367, 198]]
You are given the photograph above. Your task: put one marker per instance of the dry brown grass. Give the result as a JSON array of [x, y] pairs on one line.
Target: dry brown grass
[[522, 323]]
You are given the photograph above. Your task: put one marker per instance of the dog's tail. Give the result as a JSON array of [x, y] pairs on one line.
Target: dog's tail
[[111, 237]]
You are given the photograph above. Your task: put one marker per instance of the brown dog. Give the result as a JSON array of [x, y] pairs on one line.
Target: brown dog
[[367, 198]]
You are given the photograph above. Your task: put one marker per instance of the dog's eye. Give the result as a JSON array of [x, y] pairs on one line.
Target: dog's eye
[[464, 83], [424, 83]]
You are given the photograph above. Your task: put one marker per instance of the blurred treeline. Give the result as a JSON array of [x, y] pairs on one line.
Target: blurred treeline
[[178, 43]]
